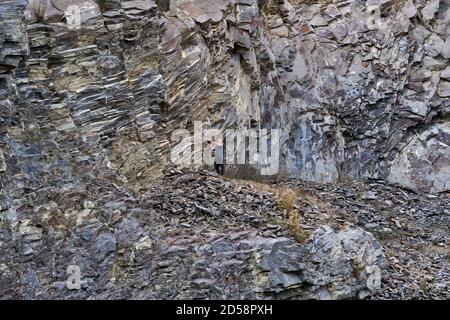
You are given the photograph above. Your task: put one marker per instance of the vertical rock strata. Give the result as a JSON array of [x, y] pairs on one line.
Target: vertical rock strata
[[354, 94], [91, 91]]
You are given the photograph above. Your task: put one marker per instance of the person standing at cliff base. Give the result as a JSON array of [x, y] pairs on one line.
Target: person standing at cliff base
[[218, 155]]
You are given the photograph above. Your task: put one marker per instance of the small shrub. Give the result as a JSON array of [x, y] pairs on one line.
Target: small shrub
[[293, 226], [286, 201]]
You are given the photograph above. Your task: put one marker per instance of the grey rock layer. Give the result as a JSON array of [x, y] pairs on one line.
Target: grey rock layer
[[352, 84], [341, 265], [167, 244], [86, 117]]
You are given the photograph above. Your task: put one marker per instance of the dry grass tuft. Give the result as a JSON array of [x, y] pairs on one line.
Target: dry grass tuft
[[286, 201], [293, 226], [38, 7]]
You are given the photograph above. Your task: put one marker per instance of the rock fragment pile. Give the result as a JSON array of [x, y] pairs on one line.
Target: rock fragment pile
[[413, 228], [86, 117], [172, 242]]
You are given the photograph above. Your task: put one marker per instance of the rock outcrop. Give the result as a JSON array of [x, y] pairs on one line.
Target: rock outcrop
[[198, 236], [168, 243], [91, 91], [356, 86], [341, 265]]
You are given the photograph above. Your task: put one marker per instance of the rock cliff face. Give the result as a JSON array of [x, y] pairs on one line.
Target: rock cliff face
[[91, 91], [360, 88]]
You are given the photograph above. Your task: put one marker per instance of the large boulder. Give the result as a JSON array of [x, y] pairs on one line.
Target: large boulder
[[331, 265]]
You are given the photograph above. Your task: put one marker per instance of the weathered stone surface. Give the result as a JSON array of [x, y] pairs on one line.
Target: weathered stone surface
[[202, 11], [2, 162], [445, 52], [87, 114], [430, 9], [446, 73], [129, 81], [444, 89], [180, 234], [426, 158], [322, 265], [199, 236]]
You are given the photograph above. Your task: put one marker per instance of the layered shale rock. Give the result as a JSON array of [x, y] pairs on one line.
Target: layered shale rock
[[195, 235], [141, 247], [91, 91], [350, 83], [355, 86]]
